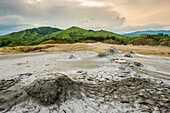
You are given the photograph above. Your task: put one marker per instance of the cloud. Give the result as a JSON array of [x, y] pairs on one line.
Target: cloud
[[7, 28], [102, 22], [97, 14], [142, 12], [140, 28], [12, 23], [63, 13], [11, 19]]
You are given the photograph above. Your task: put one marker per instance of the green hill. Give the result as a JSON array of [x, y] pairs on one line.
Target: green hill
[[71, 35], [25, 37], [149, 39], [158, 38], [75, 34]]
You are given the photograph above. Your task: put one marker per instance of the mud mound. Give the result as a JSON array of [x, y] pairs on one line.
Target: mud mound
[[143, 41], [48, 90], [112, 50], [142, 94]]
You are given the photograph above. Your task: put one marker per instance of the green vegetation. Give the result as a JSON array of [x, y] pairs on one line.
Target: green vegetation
[[158, 38], [71, 35], [25, 37], [75, 34]]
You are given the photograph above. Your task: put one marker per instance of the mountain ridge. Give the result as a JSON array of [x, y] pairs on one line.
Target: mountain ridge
[[71, 35], [147, 32], [24, 37], [49, 35]]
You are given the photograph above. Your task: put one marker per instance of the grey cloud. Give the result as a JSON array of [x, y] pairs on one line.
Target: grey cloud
[[10, 19], [113, 14], [11, 7], [4, 27], [7, 28], [138, 28], [105, 22], [63, 13]]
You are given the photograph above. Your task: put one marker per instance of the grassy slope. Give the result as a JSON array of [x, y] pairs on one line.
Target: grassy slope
[[157, 38], [76, 34], [25, 37]]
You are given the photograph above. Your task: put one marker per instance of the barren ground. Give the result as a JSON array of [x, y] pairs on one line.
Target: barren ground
[[72, 78], [97, 47]]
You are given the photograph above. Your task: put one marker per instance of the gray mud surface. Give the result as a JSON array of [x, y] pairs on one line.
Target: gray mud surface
[[83, 82]]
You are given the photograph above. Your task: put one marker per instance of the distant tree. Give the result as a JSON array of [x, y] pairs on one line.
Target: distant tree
[[149, 36], [5, 43], [160, 34]]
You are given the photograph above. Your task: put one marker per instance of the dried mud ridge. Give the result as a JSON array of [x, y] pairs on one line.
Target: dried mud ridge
[[58, 88]]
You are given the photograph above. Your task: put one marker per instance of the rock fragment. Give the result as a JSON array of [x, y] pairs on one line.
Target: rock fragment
[[113, 50], [102, 54], [72, 57], [138, 64], [131, 52], [127, 55]]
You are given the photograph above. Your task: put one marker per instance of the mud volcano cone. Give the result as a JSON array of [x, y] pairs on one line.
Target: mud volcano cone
[[47, 90]]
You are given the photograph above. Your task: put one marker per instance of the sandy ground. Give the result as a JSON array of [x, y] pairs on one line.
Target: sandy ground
[[97, 47]]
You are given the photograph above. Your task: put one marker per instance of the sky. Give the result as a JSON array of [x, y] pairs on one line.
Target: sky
[[120, 16]]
